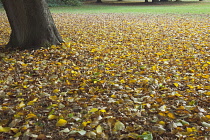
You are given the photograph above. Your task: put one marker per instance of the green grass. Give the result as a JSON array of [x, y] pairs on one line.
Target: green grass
[[193, 7], [169, 7]]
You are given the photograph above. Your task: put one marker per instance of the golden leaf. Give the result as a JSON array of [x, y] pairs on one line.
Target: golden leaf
[[61, 122], [21, 105], [32, 102], [176, 84], [103, 110], [56, 90], [30, 116], [51, 117], [93, 110], [171, 115], [4, 129]]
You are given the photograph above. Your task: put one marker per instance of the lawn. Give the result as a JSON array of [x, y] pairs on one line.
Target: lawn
[[133, 75], [194, 7]]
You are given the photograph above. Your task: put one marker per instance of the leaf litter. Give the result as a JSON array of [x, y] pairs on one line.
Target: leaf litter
[[118, 76]]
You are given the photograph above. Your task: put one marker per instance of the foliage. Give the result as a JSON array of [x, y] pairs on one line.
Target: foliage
[[72, 2], [1, 4], [120, 76], [54, 3]]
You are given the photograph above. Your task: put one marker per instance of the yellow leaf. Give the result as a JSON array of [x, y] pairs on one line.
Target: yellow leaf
[[189, 130], [207, 87], [32, 102], [53, 47], [159, 53], [154, 68], [85, 123], [53, 98], [207, 93], [176, 84], [205, 65], [99, 129], [67, 44], [21, 105], [178, 95], [59, 63], [17, 134], [152, 95], [30, 116], [51, 117], [162, 114], [171, 115], [122, 81], [162, 123], [15, 130], [93, 110], [190, 86], [4, 129], [73, 72], [24, 65], [113, 96], [133, 135], [205, 76], [10, 93], [93, 50], [55, 90], [208, 116], [61, 122], [103, 110]]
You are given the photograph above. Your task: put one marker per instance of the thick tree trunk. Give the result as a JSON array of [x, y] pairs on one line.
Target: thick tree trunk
[[31, 23]]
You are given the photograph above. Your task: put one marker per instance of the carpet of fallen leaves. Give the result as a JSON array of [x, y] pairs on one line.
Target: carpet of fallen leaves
[[119, 76]]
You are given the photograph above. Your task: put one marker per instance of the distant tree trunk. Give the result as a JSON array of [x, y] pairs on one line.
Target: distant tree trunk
[[31, 23], [146, 0], [155, 0], [99, 1], [164, 0]]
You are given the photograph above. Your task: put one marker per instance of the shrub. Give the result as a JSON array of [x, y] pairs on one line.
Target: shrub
[[72, 2], [54, 3]]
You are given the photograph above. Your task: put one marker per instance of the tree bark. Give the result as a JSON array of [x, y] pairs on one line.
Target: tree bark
[[31, 23]]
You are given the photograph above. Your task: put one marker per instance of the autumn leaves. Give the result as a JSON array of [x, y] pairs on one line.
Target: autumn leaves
[[119, 76]]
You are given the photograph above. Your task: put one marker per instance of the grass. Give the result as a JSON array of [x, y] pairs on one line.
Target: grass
[[194, 7]]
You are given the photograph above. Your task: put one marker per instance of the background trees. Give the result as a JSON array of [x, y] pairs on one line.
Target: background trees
[[64, 2]]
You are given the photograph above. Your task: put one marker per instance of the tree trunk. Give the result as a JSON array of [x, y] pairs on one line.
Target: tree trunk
[[31, 23], [155, 0], [146, 1]]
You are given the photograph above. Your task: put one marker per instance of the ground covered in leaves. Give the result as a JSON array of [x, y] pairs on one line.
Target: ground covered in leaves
[[119, 76]]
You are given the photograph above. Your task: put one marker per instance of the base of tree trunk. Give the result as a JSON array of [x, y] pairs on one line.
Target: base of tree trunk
[[31, 23]]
